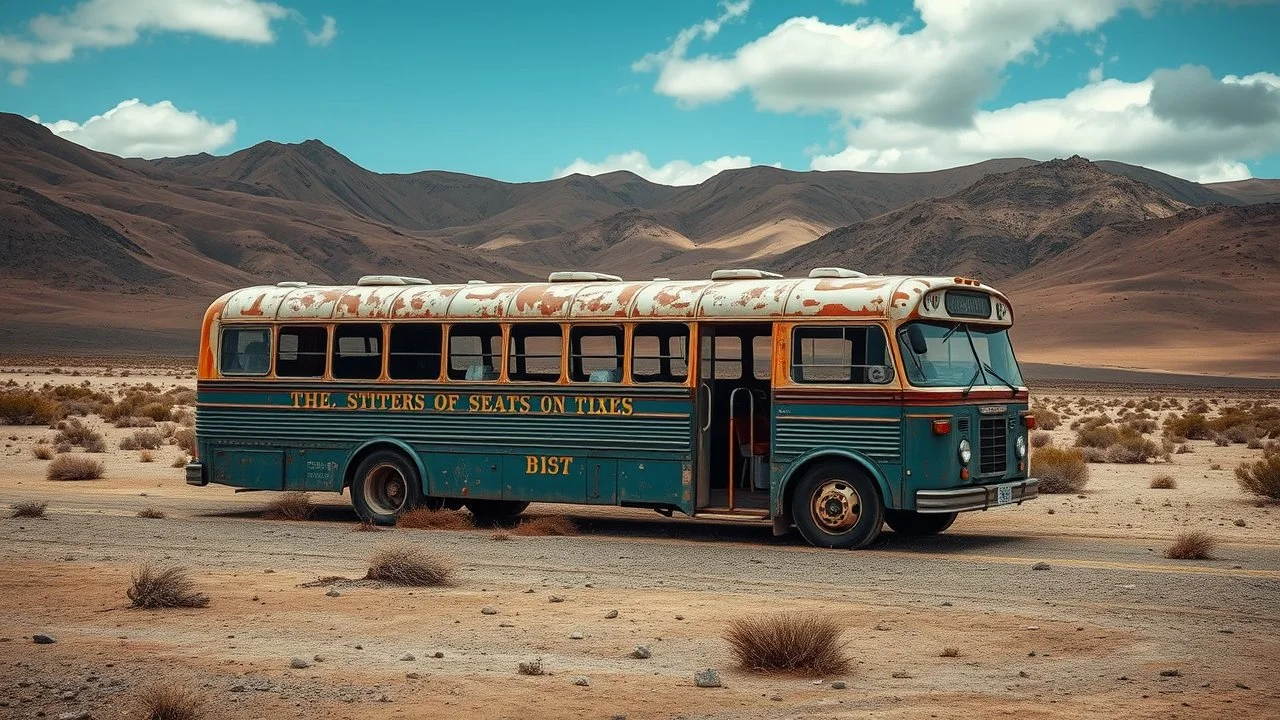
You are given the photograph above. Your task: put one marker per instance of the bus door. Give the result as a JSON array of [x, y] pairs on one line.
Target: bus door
[[731, 465]]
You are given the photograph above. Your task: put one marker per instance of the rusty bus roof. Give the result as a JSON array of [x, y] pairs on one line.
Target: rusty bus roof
[[871, 297]]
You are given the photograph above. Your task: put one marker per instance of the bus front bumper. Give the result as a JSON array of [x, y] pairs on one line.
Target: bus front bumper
[[978, 497], [195, 474]]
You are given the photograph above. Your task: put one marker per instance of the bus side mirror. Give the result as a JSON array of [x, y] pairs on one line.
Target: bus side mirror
[[915, 336]]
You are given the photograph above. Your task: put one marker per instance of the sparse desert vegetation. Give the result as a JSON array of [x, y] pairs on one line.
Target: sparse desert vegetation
[[168, 701], [545, 525], [154, 586], [408, 564], [1163, 481], [789, 642], [75, 467], [29, 508], [1261, 477], [42, 452], [1060, 470], [1191, 545], [290, 505], [151, 512], [427, 519]]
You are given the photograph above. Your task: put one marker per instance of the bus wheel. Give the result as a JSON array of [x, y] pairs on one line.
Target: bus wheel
[[385, 486], [909, 523], [496, 512], [837, 506]]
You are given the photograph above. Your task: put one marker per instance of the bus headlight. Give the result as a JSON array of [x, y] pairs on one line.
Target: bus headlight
[[966, 452], [1021, 446]]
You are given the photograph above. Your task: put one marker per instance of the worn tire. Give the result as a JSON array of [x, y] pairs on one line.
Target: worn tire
[[496, 512], [836, 505], [914, 524], [385, 486]]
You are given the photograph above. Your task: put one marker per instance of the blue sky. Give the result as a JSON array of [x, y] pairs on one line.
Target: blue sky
[[524, 91]]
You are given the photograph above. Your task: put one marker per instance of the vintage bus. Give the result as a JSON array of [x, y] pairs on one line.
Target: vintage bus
[[833, 403]]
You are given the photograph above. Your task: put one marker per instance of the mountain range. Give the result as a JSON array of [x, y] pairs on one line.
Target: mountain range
[[1106, 262]]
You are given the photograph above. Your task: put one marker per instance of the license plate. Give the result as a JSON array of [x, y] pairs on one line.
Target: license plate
[[1004, 494]]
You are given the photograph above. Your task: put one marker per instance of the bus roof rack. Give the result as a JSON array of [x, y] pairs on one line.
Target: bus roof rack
[[835, 272], [368, 280], [291, 283], [743, 274], [581, 276]]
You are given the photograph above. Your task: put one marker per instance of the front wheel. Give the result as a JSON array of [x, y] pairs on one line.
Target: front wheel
[[836, 505], [496, 512], [386, 485], [914, 524]]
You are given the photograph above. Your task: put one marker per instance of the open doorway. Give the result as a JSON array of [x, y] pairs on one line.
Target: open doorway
[[734, 408]]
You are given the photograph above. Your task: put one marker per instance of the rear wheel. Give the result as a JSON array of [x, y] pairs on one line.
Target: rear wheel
[[386, 485], [496, 512], [910, 523], [836, 505]]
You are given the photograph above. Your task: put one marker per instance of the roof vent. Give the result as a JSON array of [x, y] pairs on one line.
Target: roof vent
[[743, 274], [368, 280], [835, 272], [291, 283], [661, 279], [477, 282], [581, 276]]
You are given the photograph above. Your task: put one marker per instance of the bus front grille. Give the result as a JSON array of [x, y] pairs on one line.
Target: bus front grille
[[993, 450]]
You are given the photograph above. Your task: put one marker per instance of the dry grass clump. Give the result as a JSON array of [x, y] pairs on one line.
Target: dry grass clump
[[180, 461], [43, 452], [146, 456], [155, 587], [1261, 477], [169, 702], [1046, 419], [1190, 425], [96, 445], [29, 508], [185, 438], [366, 526], [501, 535], [1041, 439], [1060, 470], [1191, 545], [128, 421], [1163, 482], [409, 564], [141, 401], [1089, 422], [75, 431], [291, 505], [146, 439], [1142, 425], [75, 467], [949, 652], [789, 642], [427, 519], [531, 667], [1132, 449], [151, 513], [558, 525], [24, 407]]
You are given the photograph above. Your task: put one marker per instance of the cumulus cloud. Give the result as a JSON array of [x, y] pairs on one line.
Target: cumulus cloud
[[326, 34], [676, 172], [1107, 119], [136, 129], [707, 29]]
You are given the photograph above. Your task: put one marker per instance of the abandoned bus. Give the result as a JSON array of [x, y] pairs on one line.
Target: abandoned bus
[[833, 403]]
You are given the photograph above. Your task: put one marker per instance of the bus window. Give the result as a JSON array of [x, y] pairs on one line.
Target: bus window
[[414, 351], [357, 352], [301, 351], [856, 355], [723, 359], [246, 351], [762, 356], [595, 354], [474, 351], [534, 353], [660, 353]]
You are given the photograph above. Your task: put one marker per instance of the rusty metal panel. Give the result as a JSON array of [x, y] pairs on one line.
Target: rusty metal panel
[[543, 300], [745, 298], [610, 300], [907, 297], [669, 299], [370, 301], [311, 303], [424, 301], [255, 303], [482, 301], [868, 297]]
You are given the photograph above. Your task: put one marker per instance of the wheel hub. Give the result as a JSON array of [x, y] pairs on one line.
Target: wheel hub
[[836, 506], [385, 490]]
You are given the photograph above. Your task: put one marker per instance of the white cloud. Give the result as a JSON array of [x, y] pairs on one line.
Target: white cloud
[[18, 76], [136, 129], [326, 34], [707, 29], [1107, 119], [676, 172]]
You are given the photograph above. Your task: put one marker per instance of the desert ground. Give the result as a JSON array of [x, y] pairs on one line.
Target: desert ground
[[960, 625]]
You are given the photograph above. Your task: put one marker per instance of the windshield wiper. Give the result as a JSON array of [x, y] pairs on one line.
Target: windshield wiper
[[972, 380], [974, 349], [1012, 388]]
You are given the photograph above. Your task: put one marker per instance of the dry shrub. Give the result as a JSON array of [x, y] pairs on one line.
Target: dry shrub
[[184, 417], [156, 587], [169, 702], [76, 432], [62, 447], [75, 467], [1191, 545], [409, 564], [148, 439], [1142, 426], [128, 421], [178, 462], [1046, 419], [24, 407], [151, 513], [1163, 482], [501, 535], [29, 508], [186, 440], [1192, 425], [531, 667], [291, 505], [1098, 436], [1132, 449], [96, 445], [366, 526], [1254, 444], [1221, 440], [146, 456], [1199, 407], [1183, 449], [427, 519], [43, 452], [545, 525], [143, 401], [1041, 439], [1059, 470], [1089, 422], [789, 642], [166, 428], [949, 652], [1262, 477]]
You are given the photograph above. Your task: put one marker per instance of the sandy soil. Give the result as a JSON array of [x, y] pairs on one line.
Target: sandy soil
[[1088, 637]]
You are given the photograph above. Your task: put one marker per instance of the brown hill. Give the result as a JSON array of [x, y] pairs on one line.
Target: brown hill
[[994, 229], [1253, 190]]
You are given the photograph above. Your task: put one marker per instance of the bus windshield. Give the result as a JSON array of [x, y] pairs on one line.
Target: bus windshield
[[957, 354]]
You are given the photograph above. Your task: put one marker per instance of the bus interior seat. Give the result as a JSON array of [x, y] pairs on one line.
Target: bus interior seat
[[481, 372], [254, 358], [612, 375]]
